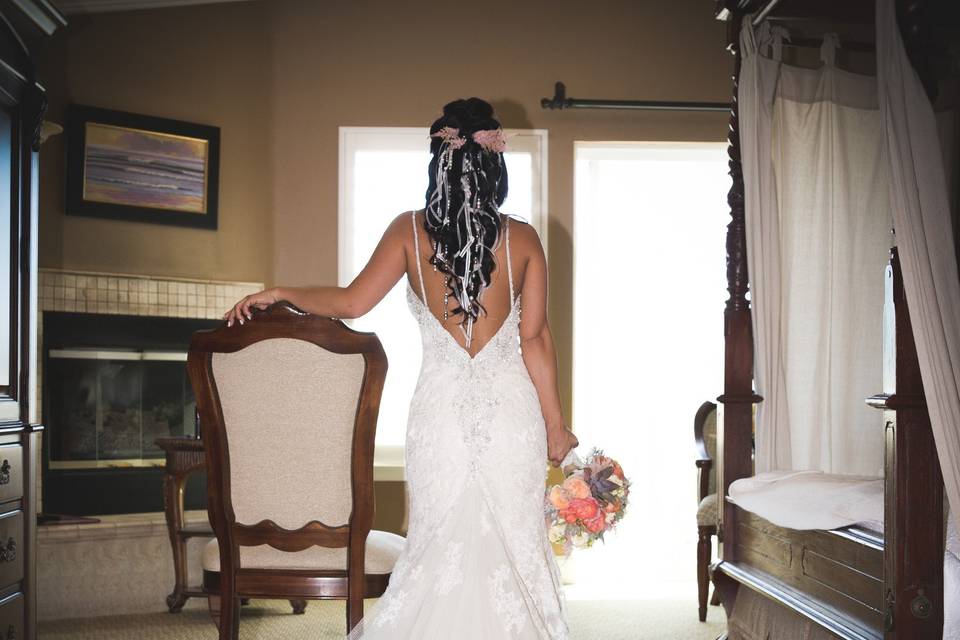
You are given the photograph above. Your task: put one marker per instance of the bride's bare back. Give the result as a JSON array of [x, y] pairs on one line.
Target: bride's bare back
[[495, 298]]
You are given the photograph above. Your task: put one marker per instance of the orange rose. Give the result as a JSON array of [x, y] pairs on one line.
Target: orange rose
[[617, 471], [576, 487]]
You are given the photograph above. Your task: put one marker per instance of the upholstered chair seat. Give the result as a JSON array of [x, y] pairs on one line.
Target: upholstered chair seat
[[382, 550], [707, 511]]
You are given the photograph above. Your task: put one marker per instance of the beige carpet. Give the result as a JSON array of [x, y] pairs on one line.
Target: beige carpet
[[649, 619]]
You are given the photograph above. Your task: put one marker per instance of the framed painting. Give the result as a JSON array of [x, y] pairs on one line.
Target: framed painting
[[135, 167]]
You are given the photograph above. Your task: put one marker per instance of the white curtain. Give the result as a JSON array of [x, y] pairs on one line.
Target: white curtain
[[818, 234], [921, 212]]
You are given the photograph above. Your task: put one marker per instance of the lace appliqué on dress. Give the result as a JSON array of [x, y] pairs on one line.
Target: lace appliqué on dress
[[506, 602], [451, 572]]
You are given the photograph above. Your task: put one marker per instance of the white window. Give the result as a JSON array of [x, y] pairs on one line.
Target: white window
[[649, 286], [383, 172]]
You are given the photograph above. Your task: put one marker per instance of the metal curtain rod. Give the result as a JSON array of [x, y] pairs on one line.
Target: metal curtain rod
[[561, 101], [765, 12]]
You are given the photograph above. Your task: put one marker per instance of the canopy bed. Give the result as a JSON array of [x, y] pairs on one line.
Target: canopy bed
[[833, 515]]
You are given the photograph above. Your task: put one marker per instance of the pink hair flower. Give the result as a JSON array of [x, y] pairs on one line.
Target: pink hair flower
[[491, 140], [451, 136]]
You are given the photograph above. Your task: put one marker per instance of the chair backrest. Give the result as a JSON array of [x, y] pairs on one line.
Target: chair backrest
[[705, 435], [288, 406]]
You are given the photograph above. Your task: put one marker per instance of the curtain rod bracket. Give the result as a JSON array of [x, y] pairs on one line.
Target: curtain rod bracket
[[561, 101]]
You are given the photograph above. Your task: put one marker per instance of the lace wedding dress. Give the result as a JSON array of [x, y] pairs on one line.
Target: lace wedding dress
[[477, 563]]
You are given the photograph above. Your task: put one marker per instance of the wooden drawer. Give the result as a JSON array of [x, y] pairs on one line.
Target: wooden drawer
[[11, 475], [11, 549], [11, 618]]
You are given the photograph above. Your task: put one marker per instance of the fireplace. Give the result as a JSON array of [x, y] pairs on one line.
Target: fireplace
[[111, 379], [112, 385]]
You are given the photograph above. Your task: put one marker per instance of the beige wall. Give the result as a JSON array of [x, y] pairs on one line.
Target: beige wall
[[280, 77], [208, 65]]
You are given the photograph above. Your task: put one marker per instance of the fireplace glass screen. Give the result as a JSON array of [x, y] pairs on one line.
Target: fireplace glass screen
[[113, 404]]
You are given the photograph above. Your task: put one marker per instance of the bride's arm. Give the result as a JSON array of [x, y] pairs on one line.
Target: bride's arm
[[387, 264], [540, 356]]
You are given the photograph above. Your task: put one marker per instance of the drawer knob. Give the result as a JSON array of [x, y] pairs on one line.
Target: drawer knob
[[8, 553], [5, 472]]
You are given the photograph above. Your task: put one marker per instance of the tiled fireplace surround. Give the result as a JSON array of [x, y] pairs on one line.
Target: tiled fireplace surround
[[125, 560]]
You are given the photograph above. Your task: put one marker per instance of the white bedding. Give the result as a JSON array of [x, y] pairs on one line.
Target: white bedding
[[811, 499], [817, 500]]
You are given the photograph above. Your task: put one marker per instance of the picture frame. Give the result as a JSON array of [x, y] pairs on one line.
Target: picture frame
[[129, 166]]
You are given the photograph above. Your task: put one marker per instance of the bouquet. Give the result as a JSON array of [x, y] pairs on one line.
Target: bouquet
[[590, 502]]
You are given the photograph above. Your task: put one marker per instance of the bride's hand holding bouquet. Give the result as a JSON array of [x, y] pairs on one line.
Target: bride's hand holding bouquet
[[560, 442]]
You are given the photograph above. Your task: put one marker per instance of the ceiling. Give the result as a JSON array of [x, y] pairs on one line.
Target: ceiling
[[69, 7]]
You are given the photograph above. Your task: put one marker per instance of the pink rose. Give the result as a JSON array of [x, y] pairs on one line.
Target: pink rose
[[584, 508], [596, 524]]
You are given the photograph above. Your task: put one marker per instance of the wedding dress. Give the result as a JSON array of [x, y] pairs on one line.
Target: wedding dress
[[477, 563]]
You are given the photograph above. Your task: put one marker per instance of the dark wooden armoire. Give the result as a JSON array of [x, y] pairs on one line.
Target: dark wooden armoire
[[23, 24]]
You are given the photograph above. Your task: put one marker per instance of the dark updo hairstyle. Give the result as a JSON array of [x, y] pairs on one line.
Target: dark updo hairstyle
[[465, 233]]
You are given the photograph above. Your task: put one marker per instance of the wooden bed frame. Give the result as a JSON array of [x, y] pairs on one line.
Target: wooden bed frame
[[851, 582]]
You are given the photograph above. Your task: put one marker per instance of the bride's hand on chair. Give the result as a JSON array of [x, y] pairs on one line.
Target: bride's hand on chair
[[240, 312], [560, 440]]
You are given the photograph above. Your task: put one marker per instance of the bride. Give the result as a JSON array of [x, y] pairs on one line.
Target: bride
[[486, 412]]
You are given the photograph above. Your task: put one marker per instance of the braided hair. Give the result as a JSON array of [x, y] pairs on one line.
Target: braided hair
[[467, 185]]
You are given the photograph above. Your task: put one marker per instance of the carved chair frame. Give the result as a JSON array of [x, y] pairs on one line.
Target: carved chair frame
[[284, 320]]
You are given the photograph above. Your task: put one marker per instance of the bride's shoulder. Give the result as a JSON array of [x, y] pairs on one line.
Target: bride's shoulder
[[400, 226], [523, 236]]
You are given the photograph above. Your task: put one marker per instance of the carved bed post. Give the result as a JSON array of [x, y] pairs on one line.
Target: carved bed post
[[735, 415]]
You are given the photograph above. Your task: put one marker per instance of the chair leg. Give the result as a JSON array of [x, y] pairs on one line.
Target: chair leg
[[299, 606], [229, 618], [354, 610], [703, 569], [213, 604], [715, 600]]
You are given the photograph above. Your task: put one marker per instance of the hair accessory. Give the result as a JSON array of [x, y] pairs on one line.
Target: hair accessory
[[491, 140], [463, 203], [451, 136]]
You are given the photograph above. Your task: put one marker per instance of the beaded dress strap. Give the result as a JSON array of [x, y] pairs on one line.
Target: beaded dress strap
[[509, 265], [416, 244]]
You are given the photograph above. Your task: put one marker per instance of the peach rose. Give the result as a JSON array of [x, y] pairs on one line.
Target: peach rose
[[612, 507], [576, 488], [559, 497]]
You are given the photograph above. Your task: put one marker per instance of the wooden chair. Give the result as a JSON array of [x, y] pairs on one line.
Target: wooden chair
[[288, 406], [705, 435]]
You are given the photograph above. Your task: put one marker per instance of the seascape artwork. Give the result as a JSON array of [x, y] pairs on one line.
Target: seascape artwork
[[141, 168]]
